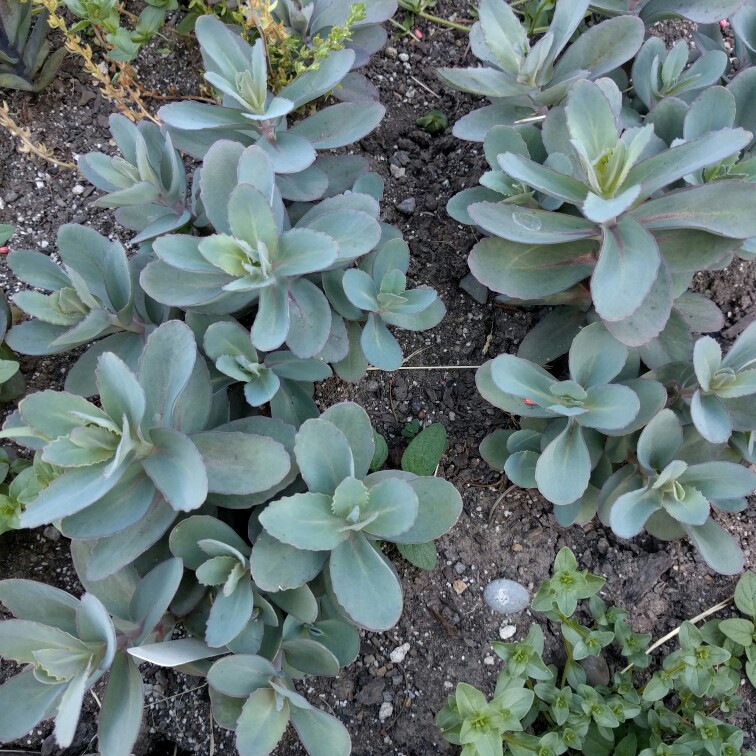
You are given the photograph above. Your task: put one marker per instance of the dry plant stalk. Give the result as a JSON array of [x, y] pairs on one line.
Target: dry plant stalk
[[27, 145], [122, 89], [259, 14]]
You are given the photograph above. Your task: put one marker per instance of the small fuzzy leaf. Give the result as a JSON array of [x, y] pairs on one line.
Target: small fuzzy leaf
[[630, 511], [321, 733], [718, 548], [710, 417], [439, 507], [340, 125], [229, 614], [595, 356], [241, 463], [262, 723], [174, 653], [528, 226], [423, 454], [24, 702], [421, 555]]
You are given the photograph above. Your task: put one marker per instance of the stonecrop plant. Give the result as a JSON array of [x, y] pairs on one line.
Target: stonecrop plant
[[186, 459], [595, 706], [604, 206], [27, 60]]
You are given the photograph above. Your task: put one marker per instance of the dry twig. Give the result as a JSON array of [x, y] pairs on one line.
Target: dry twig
[[28, 146]]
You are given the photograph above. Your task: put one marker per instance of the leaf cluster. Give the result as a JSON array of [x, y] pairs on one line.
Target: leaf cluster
[[123, 44], [653, 450], [589, 707], [186, 459], [605, 206], [26, 59]]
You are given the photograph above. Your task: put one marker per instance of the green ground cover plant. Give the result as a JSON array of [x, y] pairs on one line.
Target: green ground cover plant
[[610, 695]]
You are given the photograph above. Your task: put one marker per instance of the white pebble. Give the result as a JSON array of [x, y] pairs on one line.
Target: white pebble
[[78, 189], [398, 654], [489, 661], [507, 631], [403, 57], [506, 596], [386, 711]]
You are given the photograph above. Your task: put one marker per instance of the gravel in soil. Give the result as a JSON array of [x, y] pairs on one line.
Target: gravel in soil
[[445, 632]]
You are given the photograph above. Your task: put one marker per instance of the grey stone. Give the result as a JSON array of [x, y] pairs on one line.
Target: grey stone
[[407, 206], [372, 693], [506, 596]]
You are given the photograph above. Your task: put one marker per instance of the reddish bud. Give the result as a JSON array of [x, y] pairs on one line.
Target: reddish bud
[[418, 34], [4, 250], [724, 23], [529, 403]]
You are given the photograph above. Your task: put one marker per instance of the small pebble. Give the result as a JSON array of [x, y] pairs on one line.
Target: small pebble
[[386, 711], [398, 654], [397, 172], [507, 631], [404, 57], [460, 586], [391, 52], [489, 661], [78, 189], [52, 533], [506, 596], [459, 568], [407, 206]]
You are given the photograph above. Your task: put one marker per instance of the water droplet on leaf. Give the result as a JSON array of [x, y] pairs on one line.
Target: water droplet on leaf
[[527, 219]]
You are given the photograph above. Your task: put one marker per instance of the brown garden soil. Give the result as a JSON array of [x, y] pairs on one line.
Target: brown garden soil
[[502, 532]]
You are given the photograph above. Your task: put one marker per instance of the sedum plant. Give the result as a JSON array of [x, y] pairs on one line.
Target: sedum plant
[[147, 185], [26, 59], [93, 296], [603, 442], [67, 645], [148, 453], [658, 74], [521, 80], [346, 511], [279, 378], [618, 230], [671, 497], [188, 456], [250, 114], [594, 708]]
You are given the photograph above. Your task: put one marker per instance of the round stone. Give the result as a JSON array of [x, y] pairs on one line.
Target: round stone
[[506, 596]]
